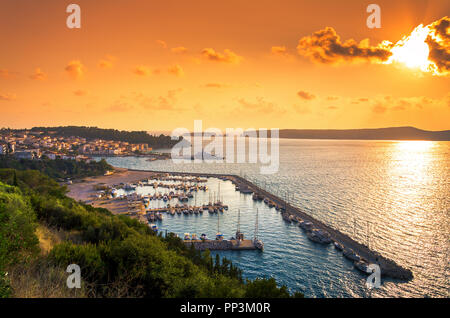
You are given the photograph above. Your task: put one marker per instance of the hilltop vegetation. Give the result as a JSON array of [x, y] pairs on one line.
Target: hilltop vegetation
[[134, 137], [118, 255], [58, 168]]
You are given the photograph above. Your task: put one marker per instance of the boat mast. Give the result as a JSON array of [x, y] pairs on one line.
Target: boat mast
[[256, 225], [218, 216], [239, 221], [218, 195]]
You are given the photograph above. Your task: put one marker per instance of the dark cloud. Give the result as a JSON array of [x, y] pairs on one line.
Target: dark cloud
[[439, 44], [325, 46]]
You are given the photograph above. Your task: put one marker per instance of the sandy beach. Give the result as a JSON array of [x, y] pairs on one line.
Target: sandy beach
[[83, 190]]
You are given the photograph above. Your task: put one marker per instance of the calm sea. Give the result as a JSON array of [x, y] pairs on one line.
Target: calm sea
[[392, 195]]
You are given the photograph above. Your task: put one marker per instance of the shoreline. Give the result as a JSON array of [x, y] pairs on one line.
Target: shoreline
[[80, 190]]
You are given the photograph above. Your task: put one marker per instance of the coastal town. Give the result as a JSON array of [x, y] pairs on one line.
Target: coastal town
[[30, 144]]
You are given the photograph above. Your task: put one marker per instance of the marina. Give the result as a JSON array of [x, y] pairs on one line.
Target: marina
[[315, 231]]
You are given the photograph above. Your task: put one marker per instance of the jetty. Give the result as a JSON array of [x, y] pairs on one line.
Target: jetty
[[388, 267], [214, 245]]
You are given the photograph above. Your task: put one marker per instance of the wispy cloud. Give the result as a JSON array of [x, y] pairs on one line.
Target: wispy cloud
[[142, 70], [4, 73], [80, 92], [162, 44], [107, 62], [176, 70], [179, 50], [38, 75], [305, 95], [227, 57], [216, 85], [75, 69], [7, 97]]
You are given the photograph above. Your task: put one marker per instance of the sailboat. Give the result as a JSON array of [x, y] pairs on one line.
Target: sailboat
[[239, 234], [256, 241]]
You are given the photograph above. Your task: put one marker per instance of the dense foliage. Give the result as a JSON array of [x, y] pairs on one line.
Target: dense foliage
[[134, 137], [118, 255], [58, 168]]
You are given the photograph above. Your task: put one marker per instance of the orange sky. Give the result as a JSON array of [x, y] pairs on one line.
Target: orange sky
[[158, 65]]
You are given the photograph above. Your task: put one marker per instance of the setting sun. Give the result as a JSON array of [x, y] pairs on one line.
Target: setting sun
[[412, 50]]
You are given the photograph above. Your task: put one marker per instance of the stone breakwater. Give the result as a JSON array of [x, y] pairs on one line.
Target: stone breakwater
[[388, 267], [221, 245], [211, 245]]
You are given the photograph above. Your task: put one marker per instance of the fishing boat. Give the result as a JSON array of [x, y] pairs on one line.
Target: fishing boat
[[219, 236], [363, 266], [338, 246], [256, 241], [351, 255], [129, 187], [153, 227], [306, 225], [286, 217], [319, 236]]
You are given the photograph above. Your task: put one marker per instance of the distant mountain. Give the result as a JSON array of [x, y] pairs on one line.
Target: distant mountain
[[392, 133]]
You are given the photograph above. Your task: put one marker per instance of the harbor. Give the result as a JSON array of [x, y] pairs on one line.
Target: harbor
[[314, 230]]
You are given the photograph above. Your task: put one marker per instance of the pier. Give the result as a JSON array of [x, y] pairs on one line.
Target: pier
[[388, 267], [216, 245]]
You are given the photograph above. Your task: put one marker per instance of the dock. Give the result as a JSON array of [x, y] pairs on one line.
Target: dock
[[388, 267], [221, 245]]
